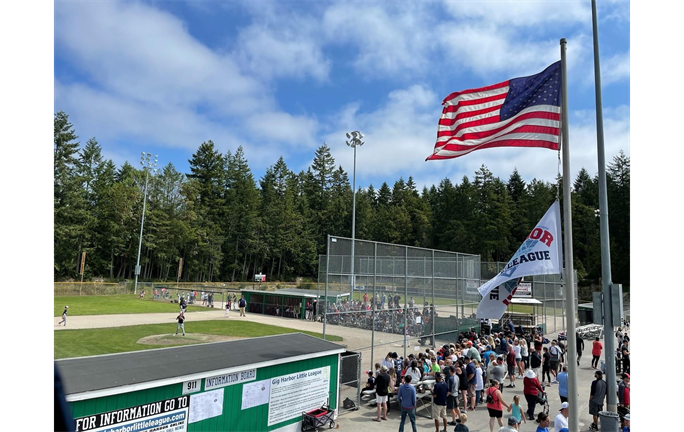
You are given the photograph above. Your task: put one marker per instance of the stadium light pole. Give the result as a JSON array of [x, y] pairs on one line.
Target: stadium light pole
[[354, 141], [148, 165]]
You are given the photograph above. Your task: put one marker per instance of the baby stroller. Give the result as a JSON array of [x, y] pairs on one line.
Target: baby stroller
[[622, 412], [544, 402]]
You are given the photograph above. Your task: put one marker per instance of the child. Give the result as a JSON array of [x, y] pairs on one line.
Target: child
[[370, 384], [227, 309], [461, 427], [516, 411]]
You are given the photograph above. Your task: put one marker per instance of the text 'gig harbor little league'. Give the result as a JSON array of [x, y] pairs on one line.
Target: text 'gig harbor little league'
[[287, 378]]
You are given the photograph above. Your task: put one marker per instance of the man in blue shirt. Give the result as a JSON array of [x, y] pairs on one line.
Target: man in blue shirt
[[487, 354], [439, 392], [563, 384], [407, 401]]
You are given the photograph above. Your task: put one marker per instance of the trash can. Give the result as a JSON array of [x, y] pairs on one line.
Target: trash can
[[609, 420]]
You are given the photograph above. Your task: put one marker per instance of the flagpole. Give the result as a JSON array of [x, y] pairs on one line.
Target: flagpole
[[573, 397], [607, 279]]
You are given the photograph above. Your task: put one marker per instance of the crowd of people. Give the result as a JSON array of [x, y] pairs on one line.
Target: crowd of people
[[390, 315], [471, 375]]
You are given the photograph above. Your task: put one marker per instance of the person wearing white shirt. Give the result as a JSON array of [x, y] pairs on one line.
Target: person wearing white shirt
[[387, 361], [518, 357], [561, 420]]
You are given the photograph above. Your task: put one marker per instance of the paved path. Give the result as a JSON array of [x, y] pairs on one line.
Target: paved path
[[354, 339]]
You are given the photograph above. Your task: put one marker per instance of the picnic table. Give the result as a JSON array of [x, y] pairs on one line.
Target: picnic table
[[422, 396]]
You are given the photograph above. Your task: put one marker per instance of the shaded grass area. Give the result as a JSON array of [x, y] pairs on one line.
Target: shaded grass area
[[89, 342], [117, 304]]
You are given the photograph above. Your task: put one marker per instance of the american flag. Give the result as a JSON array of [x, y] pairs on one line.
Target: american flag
[[520, 112]]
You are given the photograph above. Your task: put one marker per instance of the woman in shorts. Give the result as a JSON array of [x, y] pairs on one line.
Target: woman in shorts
[[495, 407]]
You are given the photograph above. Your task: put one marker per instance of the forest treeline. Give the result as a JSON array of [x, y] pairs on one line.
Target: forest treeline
[[227, 225]]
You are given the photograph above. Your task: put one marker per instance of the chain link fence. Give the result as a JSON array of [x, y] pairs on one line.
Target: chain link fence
[[350, 382], [397, 298]]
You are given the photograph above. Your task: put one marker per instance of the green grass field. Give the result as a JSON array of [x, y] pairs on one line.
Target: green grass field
[[118, 304], [80, 343]]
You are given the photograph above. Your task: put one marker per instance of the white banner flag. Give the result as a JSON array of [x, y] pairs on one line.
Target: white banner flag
[[540, 253], [494, 304]]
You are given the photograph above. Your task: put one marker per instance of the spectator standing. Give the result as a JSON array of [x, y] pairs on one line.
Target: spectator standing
[[555, 353], [452, 396], [623, 391], [561, 420], [525, 355], [225, 315], [439, 393], [579, 344], [381, 392], [413, 371], [544, 422], [407, 402], [471, 372], [242, 304], [495, 404], [479, 382], [532, 390], [624, 350], [546, 365], [596, 353], [535, 362], [510, 362], [391, 387], [64, 316], [596, 398], [518, 358], [516, 410], [563, 384], [387, 361], [498, 372], [513, 425]]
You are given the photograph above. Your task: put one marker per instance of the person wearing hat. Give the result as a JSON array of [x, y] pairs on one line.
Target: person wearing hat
[[64, 315], [513, 425], [625, 428], [596, 398], [382, 382], [532, 390], [561, 420]]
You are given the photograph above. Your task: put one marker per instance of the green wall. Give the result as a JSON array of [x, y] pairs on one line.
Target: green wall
[[233, 418]]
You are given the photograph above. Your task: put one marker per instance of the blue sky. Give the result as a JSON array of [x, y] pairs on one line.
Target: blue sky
[[280, 78]]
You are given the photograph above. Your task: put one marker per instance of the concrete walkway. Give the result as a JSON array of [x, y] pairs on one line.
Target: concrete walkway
[[354, 339]]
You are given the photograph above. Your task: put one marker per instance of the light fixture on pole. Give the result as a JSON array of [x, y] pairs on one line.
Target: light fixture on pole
[[354, 141], [148, 165]]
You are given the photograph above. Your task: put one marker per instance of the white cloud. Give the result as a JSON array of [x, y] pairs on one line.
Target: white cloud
[[149, 78], [391, 38], [282, 44], [519, 13], [614, 69]]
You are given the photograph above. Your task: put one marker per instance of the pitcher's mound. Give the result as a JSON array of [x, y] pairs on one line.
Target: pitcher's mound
[[189, 338]]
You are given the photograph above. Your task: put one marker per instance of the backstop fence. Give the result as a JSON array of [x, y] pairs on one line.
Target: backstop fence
[[395, 298]]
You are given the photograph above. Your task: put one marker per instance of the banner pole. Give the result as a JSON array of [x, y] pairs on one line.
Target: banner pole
[[573, 397]]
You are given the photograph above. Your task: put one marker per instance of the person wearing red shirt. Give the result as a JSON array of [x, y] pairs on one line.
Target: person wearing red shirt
[[596, 353], [532, 389]]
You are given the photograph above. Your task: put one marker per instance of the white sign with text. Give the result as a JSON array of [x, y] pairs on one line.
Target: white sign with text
[[293, 394]]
